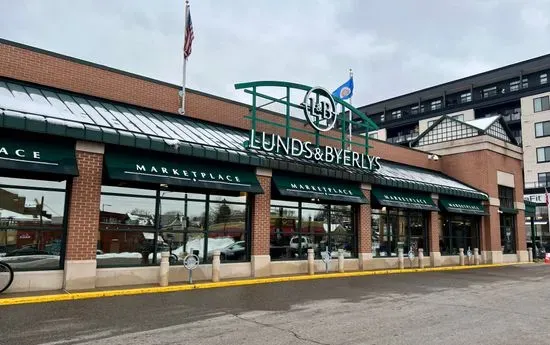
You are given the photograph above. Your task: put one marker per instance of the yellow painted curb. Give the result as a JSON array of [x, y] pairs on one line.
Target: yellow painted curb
[[175, 288]]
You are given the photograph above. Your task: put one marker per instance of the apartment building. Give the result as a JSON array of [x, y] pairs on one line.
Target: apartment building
[[519, 93]]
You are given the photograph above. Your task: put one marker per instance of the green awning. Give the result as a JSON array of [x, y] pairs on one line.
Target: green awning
[[45, 157], [180, 171], [404, 199], [508, 210], [463, 206], [316, 188]]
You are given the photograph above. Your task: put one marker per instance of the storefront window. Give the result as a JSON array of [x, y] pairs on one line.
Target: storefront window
[[297, 226], [507, 233], [394, 228], [459, 231], [32, 223], [132, 234]]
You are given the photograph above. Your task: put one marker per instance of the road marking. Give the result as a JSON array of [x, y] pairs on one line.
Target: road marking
[[72, 296]]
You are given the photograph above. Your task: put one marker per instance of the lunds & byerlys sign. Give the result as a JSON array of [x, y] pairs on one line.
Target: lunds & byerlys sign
[[320, 110]]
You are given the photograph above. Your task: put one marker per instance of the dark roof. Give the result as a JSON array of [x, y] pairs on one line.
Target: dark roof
[[481, 79]]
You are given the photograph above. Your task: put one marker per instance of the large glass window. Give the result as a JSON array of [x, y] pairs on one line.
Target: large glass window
[[459, 231], [32, 223], [506, 197], [135, 227], [544, 179], [298, 226], [543, 154], [393, 228], [542, 129]]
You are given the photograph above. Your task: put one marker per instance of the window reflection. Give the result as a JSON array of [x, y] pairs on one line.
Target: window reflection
[[458, 231], [31, 223], [394, 228], [305, 226], [187, 223]]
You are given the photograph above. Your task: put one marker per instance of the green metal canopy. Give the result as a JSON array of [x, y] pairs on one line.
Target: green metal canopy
[[463, 206], [404, 199], [49, 157], [530, 208], [184, 172], [323, 189]]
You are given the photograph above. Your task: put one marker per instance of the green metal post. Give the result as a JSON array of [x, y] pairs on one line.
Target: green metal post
[[287, 131], [533, 236]]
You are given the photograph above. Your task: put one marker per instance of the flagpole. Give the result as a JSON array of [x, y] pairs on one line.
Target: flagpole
[[182, 93], [350, 113]]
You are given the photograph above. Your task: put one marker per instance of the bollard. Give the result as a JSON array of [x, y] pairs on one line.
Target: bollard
[[216, 266], [420, 258], [400, 260], [310, 261], [164, 268], [461, 256], [341, 260], [476, 256], [530, 254]]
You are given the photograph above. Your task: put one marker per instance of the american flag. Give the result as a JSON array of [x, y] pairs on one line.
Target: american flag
[[547, 197], [189, 35]]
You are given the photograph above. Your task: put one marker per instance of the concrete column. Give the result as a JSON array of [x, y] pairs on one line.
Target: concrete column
[[364, 230], [530, 254], [261, 220], [341, 260], [164, 268], [420, 258], [476, 256], [216, 266], [400, 258], [434, 230], [310, 261], [461, 256], [83, 218]]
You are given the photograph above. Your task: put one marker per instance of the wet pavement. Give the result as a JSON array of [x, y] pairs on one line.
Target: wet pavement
[[506, 305]]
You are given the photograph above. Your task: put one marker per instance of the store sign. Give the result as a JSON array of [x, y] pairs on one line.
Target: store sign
[[320, 111], [320, 189], [464, 206], [536, 198], [407, 199], [19, 153], [185, 174]]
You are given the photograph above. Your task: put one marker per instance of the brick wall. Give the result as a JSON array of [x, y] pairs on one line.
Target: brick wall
[[491, 230], [261, 218], [83, 221], [521, 244], [435, 228], [364, 230]]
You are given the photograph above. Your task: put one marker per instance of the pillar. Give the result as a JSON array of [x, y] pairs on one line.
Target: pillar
[[521, 236], [216, 265], [83, 218], [261, 226], [435, 229], [364, 230], [492, 250]]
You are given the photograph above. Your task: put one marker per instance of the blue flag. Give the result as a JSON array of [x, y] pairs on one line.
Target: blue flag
[[345, 90]]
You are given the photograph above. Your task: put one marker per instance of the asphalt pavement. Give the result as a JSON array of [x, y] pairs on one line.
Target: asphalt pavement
[[504, 305]]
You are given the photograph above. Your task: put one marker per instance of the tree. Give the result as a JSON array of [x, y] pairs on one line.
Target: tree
[[222, 214]]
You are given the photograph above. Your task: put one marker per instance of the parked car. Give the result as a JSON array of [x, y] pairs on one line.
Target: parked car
[[26, 251], [300, 243], [540, 251]]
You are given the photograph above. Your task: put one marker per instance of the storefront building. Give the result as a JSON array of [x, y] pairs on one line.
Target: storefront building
[[99, 174]]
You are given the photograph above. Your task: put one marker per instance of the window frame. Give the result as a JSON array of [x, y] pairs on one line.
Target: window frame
[[447, 219], [543, 76], [542, 105], [466, 97], [546, 159], [542, 126]]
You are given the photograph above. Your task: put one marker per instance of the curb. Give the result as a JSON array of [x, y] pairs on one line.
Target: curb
[[176, 288]]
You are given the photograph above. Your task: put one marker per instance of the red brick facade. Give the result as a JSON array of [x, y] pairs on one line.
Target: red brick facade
[[84, 200], [261, 220], [478, 168], [364, 229]]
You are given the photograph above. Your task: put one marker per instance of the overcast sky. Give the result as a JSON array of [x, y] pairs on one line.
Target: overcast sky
[[393, 46]]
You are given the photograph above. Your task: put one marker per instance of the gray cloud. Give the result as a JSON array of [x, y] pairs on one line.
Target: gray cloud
[[393, 46]]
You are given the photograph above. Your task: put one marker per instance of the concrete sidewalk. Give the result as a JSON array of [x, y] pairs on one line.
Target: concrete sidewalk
[[63, 295]]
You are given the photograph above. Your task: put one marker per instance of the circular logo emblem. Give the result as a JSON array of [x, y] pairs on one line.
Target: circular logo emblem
[[191, 261], [320, 109], [344, 92]]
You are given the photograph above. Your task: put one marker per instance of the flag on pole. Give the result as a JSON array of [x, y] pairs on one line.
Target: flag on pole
[[345, 90], [547, 197], [189, 34]]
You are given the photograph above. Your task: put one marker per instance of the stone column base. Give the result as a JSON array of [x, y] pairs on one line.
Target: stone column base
[[364, 259], [79, 274], [523, 256], [261, 265], [493, 257], [435, 259]]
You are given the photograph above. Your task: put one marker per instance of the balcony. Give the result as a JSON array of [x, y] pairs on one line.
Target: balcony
[[537, 185]]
